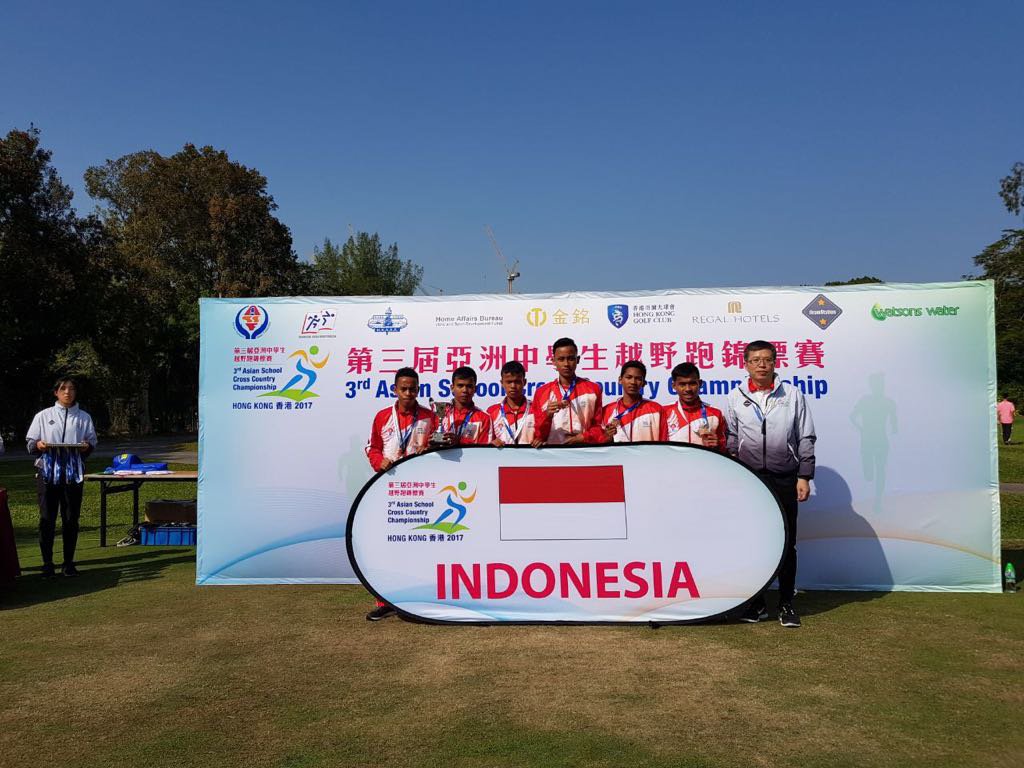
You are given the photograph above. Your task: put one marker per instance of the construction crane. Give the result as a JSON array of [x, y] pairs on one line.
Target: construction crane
[[511, 273]]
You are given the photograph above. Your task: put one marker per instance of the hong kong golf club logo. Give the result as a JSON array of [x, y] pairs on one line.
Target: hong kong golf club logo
[[252, 321], [618, 314]]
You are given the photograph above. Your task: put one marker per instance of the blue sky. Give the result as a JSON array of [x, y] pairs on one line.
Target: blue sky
[[609, 146]]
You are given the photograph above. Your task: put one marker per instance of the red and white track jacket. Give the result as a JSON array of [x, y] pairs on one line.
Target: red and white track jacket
[[512, 427], [476, 430], [582, 416], [680, 425], [640, 424], [394, 434]]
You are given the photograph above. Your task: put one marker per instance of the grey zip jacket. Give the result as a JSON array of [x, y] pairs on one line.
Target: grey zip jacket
[[779, 439]]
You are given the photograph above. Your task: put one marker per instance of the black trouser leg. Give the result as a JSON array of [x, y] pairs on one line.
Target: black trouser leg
[[70, 512], [785, 488], [1007, 429], [49, 504]]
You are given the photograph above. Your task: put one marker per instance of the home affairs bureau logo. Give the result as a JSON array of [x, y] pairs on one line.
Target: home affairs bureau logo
[[252, 321]]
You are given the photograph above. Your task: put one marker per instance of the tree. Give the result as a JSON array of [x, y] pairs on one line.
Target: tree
[[361, 267], [1011, 189], [49, 286], [856, 281], [1003, 263], [189, 225]]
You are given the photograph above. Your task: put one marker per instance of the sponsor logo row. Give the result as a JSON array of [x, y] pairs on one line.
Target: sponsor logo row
[[252, 321]]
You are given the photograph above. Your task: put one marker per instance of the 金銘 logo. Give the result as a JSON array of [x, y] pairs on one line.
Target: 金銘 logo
[[536, 317], [252, 321], [822, 311], [389, 322], [618, 314]]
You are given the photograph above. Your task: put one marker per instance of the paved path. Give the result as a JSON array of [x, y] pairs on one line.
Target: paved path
[[1011, 487]]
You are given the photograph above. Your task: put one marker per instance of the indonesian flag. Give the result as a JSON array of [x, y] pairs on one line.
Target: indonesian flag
[[548, 503]]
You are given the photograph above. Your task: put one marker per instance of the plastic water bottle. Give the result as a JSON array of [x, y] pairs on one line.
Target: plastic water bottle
[[1009, 578]]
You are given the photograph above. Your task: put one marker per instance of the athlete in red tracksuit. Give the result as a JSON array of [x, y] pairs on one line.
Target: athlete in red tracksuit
[[567, 411], [689, 419], [465, 423], [402, 430], [512, 419], [632, 419]]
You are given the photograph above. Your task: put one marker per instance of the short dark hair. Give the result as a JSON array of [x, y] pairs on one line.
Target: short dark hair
[[685, 371], [513, 367], [565, 341], [757, 346], [62, 380], [633, 364], [406, 373], [463, 374]]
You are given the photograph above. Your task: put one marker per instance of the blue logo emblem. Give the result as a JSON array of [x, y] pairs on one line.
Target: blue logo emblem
[[618, 314], [387, 323], [252, 321]]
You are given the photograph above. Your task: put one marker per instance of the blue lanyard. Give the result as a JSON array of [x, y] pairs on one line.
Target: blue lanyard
[[404, 435], [619, 415], [465, 421], [703, 415], [566, 393], [628, 411], [511, 435]]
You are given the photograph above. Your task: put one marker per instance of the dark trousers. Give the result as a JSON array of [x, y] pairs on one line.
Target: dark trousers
[[65, 501], [784, 487], [1007, 429]]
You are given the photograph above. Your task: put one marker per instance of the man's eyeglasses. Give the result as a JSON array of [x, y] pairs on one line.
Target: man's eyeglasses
[[756, 362]]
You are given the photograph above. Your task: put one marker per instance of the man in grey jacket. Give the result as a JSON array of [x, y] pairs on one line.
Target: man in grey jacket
[[771, 431]]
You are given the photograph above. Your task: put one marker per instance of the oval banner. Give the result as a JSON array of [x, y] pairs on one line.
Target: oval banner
[[646, 532]]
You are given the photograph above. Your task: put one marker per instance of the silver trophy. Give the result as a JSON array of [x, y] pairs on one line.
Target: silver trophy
[[440, 438]]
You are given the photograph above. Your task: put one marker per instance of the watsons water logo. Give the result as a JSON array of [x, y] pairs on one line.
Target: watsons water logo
[[884, 313]]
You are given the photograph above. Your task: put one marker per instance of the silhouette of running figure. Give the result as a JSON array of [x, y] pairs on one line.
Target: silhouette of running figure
[[303, 371], [872, 416]]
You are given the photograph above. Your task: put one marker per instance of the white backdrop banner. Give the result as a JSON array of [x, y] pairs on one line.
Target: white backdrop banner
[[900, 379]]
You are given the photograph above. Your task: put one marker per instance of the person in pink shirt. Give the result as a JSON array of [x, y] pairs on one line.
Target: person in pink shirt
[[1006, 410]]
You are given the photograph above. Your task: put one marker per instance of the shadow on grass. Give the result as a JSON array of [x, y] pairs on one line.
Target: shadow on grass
[[32, 589]]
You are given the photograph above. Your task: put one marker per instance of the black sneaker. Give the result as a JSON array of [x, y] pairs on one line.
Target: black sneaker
[[49, 571], [788, 617], [69, 570], [381, 612], [754, 614]]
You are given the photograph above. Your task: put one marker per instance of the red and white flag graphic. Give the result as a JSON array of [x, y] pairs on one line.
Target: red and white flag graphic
[[547, 503]]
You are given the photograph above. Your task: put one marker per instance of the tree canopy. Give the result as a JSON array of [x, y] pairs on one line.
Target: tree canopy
[[49, 283], [1003, 263], [362, 267]]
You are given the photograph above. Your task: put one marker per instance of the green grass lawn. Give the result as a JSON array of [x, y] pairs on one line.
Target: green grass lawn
[[1011, 457], [131, 664]]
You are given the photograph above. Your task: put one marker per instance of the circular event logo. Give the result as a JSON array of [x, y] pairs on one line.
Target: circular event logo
[[252, 321]]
